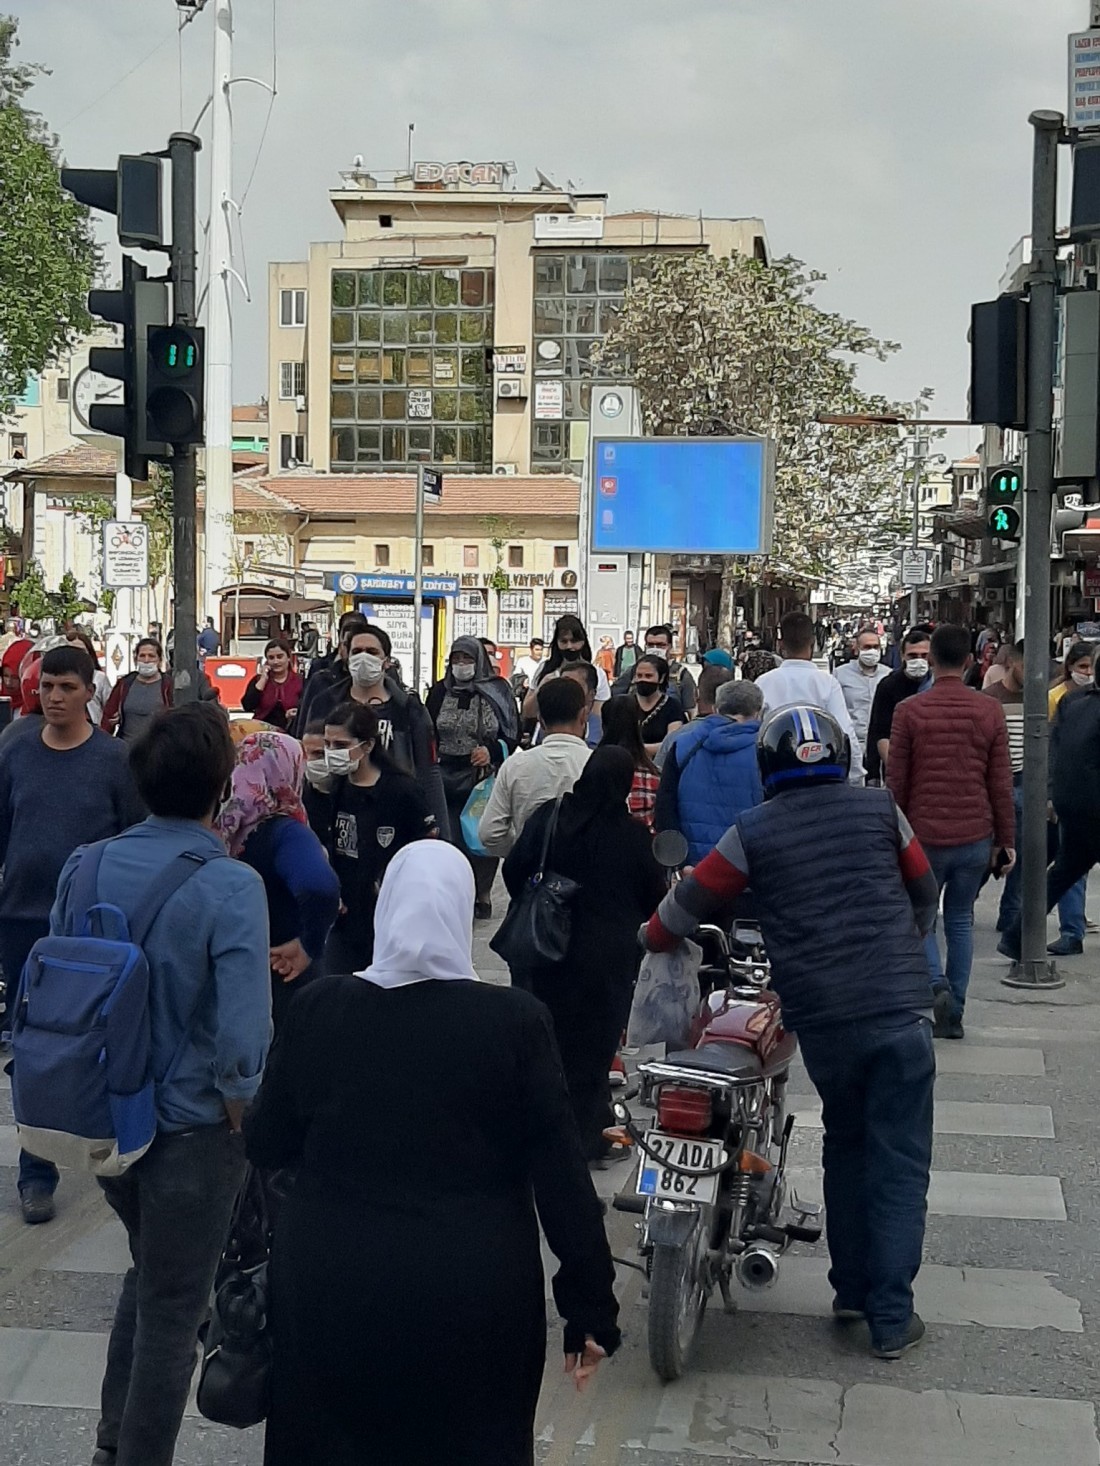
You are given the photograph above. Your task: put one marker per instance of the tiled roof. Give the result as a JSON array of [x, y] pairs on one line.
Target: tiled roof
[[552, 495], [83, 461]]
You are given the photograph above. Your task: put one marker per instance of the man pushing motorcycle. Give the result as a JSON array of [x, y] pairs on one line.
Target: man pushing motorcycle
[[856, 991]]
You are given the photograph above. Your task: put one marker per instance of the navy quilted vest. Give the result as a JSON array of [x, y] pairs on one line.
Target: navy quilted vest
[[836, 918]]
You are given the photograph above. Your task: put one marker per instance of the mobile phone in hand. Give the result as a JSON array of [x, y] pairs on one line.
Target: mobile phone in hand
[[1000, 863]]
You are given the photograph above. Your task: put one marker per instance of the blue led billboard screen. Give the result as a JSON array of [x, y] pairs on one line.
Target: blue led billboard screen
[[705, 496]]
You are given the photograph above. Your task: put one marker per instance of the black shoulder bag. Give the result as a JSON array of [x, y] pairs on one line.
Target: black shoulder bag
[[536, 930], [235, 1378]]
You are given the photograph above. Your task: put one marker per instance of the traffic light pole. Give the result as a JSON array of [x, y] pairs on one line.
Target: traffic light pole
[[1034, 969], [182, 148]]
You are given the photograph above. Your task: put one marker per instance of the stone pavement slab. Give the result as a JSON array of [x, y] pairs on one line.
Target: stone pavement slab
[[960, 1117]]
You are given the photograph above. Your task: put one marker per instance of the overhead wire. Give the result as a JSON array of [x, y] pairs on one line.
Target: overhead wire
[[115, 84]]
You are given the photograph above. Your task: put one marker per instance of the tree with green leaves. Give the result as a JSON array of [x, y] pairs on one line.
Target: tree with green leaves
[[29, 595], [728, 346], [48, 253]]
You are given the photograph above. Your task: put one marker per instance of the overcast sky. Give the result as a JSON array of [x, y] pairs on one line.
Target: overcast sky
[[884, 142]]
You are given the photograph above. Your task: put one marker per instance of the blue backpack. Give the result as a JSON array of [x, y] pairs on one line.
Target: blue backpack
[[82, 1079]]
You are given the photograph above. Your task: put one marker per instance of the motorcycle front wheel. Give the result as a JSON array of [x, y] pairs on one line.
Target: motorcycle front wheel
[[678, 1291]]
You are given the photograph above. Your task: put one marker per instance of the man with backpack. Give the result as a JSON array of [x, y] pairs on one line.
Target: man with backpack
[[63, 784], [202, 920]]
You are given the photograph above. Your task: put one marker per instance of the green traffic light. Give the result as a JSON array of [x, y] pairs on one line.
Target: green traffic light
[[1005, 484], [1000, 520]]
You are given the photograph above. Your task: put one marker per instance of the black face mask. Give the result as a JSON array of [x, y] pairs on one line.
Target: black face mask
[[570, 653], [647, 689]]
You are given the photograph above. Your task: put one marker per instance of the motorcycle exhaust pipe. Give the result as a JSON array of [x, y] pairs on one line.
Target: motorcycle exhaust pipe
[[757, 1267]]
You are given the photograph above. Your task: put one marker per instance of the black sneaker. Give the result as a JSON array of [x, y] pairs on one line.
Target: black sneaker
[[104, 1457], [1066, 947], [955, 1027], [895, 1348], [483, 910], [1009, 946], [37, 1203], [941, 1010]]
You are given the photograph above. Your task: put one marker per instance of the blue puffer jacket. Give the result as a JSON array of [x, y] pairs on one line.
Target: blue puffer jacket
[[716, 758]]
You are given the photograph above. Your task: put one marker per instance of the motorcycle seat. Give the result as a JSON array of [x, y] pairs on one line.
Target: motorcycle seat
[[731, 1061]]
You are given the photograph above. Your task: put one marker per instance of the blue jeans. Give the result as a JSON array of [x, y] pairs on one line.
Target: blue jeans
[[959, 872], [875, 1081]]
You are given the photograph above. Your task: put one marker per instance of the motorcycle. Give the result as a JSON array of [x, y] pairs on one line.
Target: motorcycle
[[711, 1183]]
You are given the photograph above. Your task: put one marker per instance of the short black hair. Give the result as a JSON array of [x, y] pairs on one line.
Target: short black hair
[[950, 646], [150, 641], [369, 628], [658, 663], [61, 660], [591, 676], [665, 631], [351, 623], [560, 701], [916, 634], [711, 678], [536, 641], [183, 762], [796, 632]]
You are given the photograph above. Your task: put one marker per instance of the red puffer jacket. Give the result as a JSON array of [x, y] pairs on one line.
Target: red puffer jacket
[[948, 766]]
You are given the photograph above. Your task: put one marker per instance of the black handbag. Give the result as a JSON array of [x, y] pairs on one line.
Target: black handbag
[[539, 922], [235, 1378]]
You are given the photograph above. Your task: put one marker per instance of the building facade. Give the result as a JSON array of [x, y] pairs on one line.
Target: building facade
[[454, 321]]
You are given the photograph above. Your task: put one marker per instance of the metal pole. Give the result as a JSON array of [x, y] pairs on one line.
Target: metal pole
[[418, 577], [1035, 969], [218, 524], [918, 443], [182, 148]]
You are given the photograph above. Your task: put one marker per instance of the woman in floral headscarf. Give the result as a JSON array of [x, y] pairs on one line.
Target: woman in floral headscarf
[[263, 822]]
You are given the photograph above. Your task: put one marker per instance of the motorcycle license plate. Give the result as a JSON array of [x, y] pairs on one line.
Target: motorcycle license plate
[[664, 1183]]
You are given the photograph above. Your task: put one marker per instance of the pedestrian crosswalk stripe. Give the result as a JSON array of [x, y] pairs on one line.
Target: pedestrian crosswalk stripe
[[968, 1058], [971, 1194], [995, 1298], [960, 1117], [814, 1421]]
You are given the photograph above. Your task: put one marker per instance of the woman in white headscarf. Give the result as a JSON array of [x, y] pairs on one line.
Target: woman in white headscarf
[[427, 1118]]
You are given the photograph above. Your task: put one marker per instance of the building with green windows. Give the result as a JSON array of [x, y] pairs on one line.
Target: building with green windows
[[453, 321]]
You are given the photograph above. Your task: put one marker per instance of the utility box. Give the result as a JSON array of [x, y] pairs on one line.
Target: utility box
[[1077, 455]]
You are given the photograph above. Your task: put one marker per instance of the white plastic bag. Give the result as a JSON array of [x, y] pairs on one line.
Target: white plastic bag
[[666, 997]]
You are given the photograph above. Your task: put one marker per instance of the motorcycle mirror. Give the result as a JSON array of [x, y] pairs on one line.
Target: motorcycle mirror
[[670, 849]]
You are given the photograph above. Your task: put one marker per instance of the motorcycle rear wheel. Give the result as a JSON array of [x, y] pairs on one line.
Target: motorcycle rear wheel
[[678, 1294]]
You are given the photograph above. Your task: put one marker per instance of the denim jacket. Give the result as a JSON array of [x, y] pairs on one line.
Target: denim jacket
[[210, 982]]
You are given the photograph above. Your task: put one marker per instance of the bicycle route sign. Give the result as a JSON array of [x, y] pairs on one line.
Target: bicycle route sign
[[125, 554]]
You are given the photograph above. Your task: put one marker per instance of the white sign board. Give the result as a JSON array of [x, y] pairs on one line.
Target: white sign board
[[420, 402], [125, 554], [397, 618], [1084, 80], [914, 567], [549, 400], [568, 226]]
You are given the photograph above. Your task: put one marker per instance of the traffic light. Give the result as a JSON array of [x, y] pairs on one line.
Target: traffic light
[[1002, 502], [174, 388], [140, 308], [998, 362], [132, 191]]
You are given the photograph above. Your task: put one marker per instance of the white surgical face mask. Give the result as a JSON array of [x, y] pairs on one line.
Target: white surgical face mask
[[366, 669], [147, 671], [339, 761], [317, 772], [464, 671], [1081, 679], [870, 657], [917, 668]]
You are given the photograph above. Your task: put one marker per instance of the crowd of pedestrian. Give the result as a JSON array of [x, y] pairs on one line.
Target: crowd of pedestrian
[[328, 857]]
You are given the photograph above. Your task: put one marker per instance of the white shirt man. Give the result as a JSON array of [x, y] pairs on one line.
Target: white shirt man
[[532, 778], [530, 664], [859, 678], [797, 680]]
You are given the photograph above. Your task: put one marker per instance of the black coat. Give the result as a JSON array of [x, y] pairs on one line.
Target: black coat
[[427, 1123], [1075, 757]]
